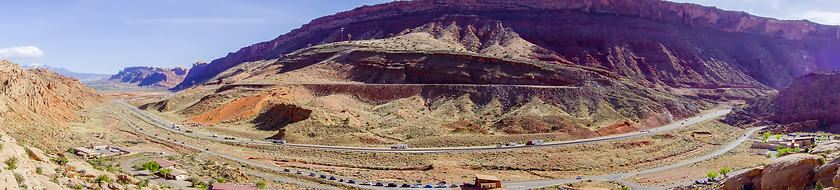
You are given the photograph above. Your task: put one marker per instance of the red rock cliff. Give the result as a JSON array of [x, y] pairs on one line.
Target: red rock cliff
[[651, 41]]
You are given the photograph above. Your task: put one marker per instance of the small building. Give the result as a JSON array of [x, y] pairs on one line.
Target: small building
[[177, 174], [804, 141], [165, 164], [99, 146], [230, 186], [487, 182], [86, 152]]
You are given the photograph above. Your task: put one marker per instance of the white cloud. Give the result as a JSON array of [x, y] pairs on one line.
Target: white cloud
[[822, 17], [21, 52]]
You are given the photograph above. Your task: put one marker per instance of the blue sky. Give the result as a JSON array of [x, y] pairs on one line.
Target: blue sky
[[104, 36]]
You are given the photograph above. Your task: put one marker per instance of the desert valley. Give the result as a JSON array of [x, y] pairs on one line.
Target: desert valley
[[477, 94]]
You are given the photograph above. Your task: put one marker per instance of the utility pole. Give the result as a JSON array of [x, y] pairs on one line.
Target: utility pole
[[342, 34]]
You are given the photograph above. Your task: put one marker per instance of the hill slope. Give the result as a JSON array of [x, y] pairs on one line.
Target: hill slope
[[38, 97]]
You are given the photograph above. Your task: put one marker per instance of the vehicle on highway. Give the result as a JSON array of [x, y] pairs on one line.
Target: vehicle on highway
[[405, 185], [189, 131], [323, 176], [215, 135], [511, 144], [299, 172], [534, 142], [206, 149], [351, 181], [313, 174], [332, 177], [392, 185], [341, 180], [700, 182], [453, 186], [364, 183], [428, 186], [279, 142], [400, 146], [499, 146], [440, 186], [578, 177], [379, 184], [415, 186]]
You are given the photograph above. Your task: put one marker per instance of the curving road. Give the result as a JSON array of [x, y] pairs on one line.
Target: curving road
[[511, 185], [241, 160], [171, 127], [620, 176]]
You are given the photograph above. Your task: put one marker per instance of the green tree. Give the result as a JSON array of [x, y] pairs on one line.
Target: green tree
[[712, 175], [261, 184], [221, 180], [151, 166], [818, 186], [725, 170], [766, 135], [165, 171], [778, 137]]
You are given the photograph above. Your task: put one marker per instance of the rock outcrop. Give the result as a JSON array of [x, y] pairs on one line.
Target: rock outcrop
[[809, 103], [151, 76], [796, 171], [658, 42]]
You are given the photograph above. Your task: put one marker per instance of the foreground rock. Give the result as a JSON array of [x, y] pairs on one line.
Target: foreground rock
[[796, 171]]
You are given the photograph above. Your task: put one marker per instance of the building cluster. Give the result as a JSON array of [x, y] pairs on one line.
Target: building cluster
[[99, 150], [786, 141]]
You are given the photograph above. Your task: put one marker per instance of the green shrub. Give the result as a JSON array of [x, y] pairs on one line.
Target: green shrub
[[261, 184], [11, 163], [60, 160]]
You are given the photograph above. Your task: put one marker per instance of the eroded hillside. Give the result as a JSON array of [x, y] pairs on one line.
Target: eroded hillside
[[37, 103], [421, 89]]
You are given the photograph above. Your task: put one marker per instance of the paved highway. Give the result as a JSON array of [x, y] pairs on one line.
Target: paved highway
[[171, 127], [620, 177], [511, 185]]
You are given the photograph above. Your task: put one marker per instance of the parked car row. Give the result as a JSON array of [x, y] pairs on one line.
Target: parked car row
[[378, 184]]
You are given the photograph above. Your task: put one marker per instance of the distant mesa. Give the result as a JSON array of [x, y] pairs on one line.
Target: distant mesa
[[145, 76]]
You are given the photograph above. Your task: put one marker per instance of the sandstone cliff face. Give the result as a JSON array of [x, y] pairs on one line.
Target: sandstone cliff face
[[151, 76], [656, 42], [809, 103]]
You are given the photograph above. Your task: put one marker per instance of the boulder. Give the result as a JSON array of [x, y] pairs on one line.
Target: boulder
[[37, 154], [825, 174], [789, 172], [830, 146], [127, 179], [115, 186], [748, 179]]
